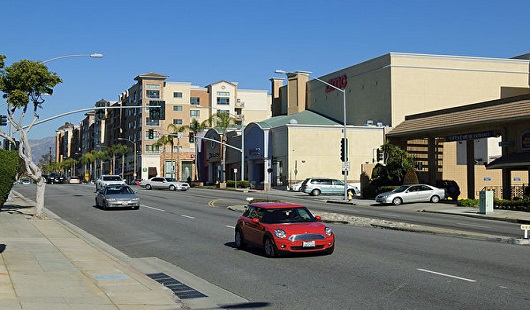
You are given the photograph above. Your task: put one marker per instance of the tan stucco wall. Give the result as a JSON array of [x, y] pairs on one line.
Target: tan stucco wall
[[484, 178], [315, 151]]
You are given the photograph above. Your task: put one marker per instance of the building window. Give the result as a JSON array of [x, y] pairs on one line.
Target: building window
[[195, 113], [177, 94], [195, 100], [223, 100], [177, 108], [152, 94], [177, 121]]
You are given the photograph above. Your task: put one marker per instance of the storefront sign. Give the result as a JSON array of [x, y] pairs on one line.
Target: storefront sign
[[339, 82], [469, 136]]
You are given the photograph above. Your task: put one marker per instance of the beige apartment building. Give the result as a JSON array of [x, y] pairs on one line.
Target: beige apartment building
[[382, 91], [162, 149]]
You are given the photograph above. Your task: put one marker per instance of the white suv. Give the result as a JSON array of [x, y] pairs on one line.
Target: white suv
[[317, 186], [108, 179]]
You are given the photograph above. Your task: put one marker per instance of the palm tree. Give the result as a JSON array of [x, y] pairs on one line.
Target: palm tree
[[87, 158], [161, 142], [111, 151], [222, 121], [175, 130], [69, 163], [195, 127], [122, 149]]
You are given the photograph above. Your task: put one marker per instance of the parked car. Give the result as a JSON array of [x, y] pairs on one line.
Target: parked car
[[317, 186], [135, 182], [55, 178], [451, 188], [296, 187], [280, 227], [108, 179], [164, 183], [25, 181], [117, 196], [74, 180], [412, 193]]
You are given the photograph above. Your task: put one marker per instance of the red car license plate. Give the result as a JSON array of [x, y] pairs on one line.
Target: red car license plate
[[308, 244]]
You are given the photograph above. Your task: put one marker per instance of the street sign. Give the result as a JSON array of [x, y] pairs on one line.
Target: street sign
[[345, 166]]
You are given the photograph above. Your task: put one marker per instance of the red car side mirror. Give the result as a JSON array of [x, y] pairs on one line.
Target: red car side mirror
[[255, 220], [319, 218]]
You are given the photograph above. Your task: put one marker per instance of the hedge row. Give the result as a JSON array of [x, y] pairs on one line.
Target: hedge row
[[240, 184], [501, 204], [8, 171]]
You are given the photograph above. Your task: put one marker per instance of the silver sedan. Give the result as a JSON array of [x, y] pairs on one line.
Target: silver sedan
[[412, 193]]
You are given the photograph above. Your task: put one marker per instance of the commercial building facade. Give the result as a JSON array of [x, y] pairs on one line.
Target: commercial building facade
[[384, 90]]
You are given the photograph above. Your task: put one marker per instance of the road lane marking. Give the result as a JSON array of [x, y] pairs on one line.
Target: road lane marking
[[148, 207], [472, 225], [233, 227], [187, 216], [447, 275]]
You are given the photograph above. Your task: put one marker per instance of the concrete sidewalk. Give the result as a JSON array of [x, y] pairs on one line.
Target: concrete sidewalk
[[45, 265]]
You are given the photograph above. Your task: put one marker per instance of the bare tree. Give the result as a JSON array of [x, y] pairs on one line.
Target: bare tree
[[23, 84]]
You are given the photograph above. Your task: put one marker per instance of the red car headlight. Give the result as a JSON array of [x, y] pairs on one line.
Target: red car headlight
[[328, 231], [280, 233]]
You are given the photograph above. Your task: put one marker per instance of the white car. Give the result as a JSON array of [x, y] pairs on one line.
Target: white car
[[108, 179], [412, 193], [164, 183], [296, 187]]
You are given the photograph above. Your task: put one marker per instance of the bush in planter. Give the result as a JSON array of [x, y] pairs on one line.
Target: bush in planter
[[8, 171], [240, 184], [473, 203]]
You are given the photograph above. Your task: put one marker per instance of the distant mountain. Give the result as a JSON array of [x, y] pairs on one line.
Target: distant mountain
[[42, 147]]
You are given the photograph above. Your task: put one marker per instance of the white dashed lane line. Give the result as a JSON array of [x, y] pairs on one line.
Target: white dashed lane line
[[447, 275], [148, 207], [233, 227], [472, 225], [187, 216]]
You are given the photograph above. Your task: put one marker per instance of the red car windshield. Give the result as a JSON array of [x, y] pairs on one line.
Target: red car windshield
[[287, 215]]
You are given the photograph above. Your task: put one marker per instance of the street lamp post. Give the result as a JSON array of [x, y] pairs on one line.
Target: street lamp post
[[94, 55], [343, 91], [134, 158]]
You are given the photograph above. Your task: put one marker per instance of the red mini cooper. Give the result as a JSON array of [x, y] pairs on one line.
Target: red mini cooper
[[283, 227]]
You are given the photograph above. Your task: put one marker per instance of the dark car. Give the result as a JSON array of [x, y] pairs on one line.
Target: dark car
[[280, 227], [55, 178], [451, 188]]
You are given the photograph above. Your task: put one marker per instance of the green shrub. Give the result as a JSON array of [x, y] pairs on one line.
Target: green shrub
[[384, 189], [240, 184], [8, 171], [411, 177], [369, 191], [473, 203]]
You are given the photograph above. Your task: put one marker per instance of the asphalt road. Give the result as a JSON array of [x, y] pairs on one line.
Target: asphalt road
[[370, 268]]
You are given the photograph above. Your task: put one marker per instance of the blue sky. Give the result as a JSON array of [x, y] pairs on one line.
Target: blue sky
[[242, 41]]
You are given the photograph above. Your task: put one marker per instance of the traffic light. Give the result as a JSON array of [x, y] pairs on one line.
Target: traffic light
[[154, 113], [380, 155], [157, 110], [191, 137], [343, 150], [151, 133], [100, 113], [3, 120]]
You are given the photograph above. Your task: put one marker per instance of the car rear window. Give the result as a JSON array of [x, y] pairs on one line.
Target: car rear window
[[112, 178]]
